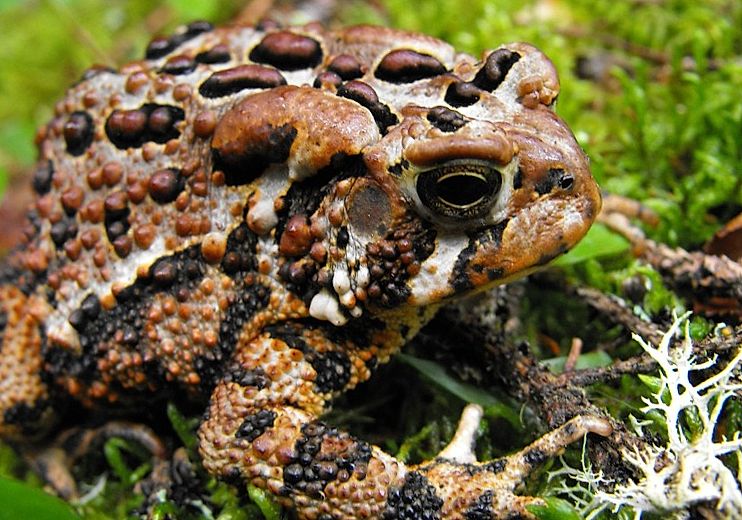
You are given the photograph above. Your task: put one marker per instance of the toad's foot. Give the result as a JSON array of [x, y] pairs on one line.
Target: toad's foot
[[488, 488]]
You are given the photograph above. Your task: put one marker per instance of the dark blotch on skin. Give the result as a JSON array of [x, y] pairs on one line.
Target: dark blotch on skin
[[240, 254], [178, 65], [248, 165], [496, 466], [42, 177], [462, 94], [165, 185], [333, 368], [163, 46], [445, 119], [116, 215], [287, 51], [460, 276], [243, 377], [89, 310], [346, 66], [547, 257], [397, 169], [406, 66], [518, 179], [323, 455], [150, 122], [363, 94], [250, 299], [415, 500], [254, 425], [78, 132], [231, 81], [481, 509], [495, 69], [495, 274], [535, 457], [217, 54], [62, 231], [553, 178], [164, 272], [123, 326], [160, 123], [342, 237]]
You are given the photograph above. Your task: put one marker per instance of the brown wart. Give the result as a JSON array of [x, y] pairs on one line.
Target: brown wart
[[267, 128]]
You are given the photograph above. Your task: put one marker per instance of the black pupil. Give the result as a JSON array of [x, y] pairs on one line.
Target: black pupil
[[461, 190]]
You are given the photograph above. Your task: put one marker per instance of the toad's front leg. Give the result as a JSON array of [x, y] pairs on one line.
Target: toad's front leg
[[262, 427]]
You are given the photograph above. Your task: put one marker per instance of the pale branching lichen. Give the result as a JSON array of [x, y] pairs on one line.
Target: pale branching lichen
[[689, 469]]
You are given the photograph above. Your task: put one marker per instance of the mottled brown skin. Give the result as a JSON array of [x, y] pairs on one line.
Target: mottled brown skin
[[258, 217]]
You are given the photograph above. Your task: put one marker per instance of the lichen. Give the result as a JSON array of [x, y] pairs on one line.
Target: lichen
[[691, 466]]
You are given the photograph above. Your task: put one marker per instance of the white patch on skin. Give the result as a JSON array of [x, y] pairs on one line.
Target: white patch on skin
[[262, 217], [346, 295], [324, 306], [348, 299], [572, 218], [436, 270], [363, 277], [123, 273], [266, 252], [341, 281], [271, 185]]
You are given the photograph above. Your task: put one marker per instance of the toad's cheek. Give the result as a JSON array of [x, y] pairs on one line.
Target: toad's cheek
[[511, 249], [530, 239], [432, 283]]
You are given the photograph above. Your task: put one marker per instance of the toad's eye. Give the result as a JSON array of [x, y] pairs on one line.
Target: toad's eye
[[459, 190]]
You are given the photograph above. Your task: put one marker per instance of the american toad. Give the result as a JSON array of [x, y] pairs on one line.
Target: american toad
[[258, 217]]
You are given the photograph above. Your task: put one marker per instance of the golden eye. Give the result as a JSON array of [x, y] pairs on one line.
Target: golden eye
[[459, 190]]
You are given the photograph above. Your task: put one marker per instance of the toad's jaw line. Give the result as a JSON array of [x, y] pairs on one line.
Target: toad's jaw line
[[437, 269]]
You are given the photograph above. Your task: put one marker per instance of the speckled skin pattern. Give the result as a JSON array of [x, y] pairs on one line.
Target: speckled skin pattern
[[257, 218]]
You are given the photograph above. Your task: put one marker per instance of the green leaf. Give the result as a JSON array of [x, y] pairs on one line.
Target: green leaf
[[163, 511], [599, 242], [22, 501], [112, 450], [184, 427], [554, 509], [590, 360], [467, 393], [270, 509], [652, 382], [439, 376]]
